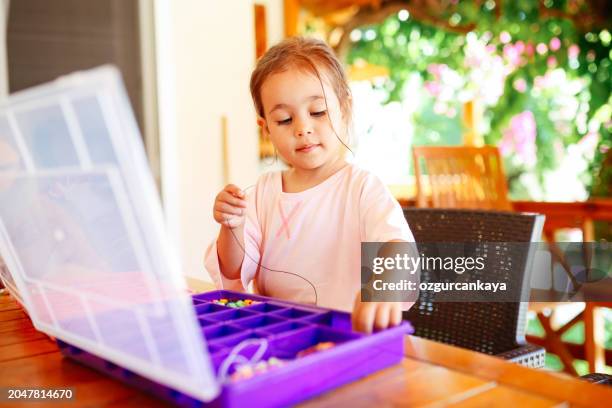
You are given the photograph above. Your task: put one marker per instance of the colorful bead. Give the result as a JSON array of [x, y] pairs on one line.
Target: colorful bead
[[324, 345], [245, 371], [235, 302]]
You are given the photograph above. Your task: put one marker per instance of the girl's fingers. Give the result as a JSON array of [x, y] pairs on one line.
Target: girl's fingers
[[228, 209], [228, 220], [382, 316], [234, 190], [363, 317], [356, 309], [395, 317], [231, 199], [230, 206]]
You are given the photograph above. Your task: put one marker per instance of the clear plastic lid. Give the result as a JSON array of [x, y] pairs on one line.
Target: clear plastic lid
[[82, 234]]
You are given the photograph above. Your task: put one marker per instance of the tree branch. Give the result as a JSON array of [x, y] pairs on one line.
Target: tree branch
[[418, 10], [583, 21]]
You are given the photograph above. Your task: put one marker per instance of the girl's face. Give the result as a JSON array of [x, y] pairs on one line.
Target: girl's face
[[298, 119]]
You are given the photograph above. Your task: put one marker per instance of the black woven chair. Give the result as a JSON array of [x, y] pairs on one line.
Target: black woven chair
[[598, 378], [493, 328]]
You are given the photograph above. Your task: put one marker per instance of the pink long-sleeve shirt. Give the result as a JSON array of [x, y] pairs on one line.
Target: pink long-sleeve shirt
[[313, 236]]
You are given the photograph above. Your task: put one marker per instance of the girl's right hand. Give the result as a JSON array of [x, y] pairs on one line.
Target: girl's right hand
[[230, 207]]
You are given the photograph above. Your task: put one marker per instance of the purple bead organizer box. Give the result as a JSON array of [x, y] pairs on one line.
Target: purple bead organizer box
[[287, 328]]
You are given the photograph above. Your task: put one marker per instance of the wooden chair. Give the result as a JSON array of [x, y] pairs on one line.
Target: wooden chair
[[460, 177], [473, 178]]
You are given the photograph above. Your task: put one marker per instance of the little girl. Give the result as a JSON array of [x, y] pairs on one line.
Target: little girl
[[298, 233]]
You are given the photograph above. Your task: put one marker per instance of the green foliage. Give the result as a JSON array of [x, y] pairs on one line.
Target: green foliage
[[573, 335], [406, 47], [431, 129], [410, 46]]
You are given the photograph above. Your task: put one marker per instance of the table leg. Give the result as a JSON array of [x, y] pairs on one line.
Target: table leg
[[594, 337], [588, 230], [556, 346]]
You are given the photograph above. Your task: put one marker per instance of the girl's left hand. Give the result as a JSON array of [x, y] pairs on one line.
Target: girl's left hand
[[374, 316]]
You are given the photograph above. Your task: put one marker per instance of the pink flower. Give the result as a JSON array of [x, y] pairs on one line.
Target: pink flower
[[589, 141], [520, 137], [520, 47], [433, 88], [473, 60], [512, 55], [437, 69], [505, 37], [539, 82], [541, 48], [551, 62], [520, 85], [573, 51], [555, 44], [529, 50]]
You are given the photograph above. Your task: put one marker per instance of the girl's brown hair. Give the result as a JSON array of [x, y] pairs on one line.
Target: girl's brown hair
[[305, 53]]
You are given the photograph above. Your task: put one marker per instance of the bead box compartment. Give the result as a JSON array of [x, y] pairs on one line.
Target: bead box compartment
[[288, 328]]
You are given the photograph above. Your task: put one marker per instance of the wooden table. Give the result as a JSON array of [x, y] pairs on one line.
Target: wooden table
[[569, 215], [431, 374], [579, 214]]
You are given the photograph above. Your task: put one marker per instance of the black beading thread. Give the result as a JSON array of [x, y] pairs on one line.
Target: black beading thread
[[265, 267], [232, 229]]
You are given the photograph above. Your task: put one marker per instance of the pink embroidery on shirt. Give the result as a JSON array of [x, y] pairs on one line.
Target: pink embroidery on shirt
[[285, 220]]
